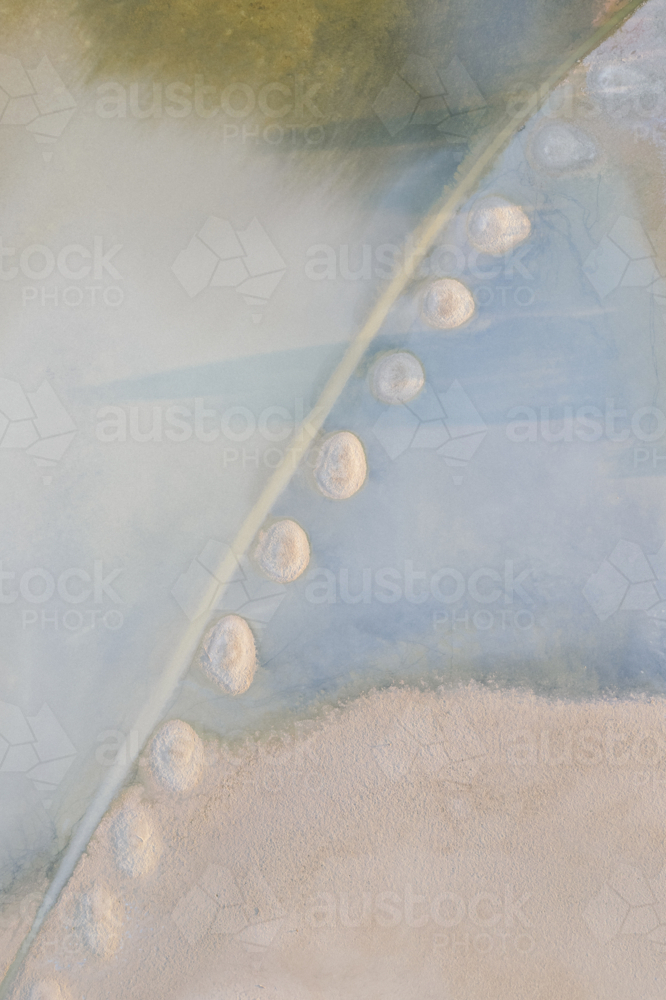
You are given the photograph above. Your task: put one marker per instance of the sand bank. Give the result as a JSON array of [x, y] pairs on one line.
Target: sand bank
[[467, 844]]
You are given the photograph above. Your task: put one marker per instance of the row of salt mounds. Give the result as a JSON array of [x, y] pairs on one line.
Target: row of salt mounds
[[136, 849], [341, 467], [98, 921], [397, 378], [229, 656], [447, 304], [175, 759], [282, 551], [44, 989], [495, 226]]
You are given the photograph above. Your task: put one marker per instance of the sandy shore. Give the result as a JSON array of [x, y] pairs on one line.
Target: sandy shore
[[466, 844]]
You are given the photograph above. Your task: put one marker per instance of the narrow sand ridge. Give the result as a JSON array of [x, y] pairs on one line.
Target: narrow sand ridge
[[460, 843]]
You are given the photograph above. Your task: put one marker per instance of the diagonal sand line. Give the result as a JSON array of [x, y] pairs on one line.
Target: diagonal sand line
[[469, 173]]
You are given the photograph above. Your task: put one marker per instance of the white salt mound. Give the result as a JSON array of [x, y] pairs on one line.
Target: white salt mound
[[495, 226], [136, 849], [447, 304], [341, 466], [176, 757], [558, 147], [99, 921], [45, 989], [282, 551], [397, 378], [229, 655]]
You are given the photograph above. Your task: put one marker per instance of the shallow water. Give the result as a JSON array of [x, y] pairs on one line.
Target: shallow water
[[517, 526]]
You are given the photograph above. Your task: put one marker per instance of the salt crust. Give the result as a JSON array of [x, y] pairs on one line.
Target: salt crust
[[282, 551], [341, 468], [229, 655]]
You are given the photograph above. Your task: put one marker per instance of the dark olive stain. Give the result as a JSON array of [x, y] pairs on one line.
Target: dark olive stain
[[340, 53]]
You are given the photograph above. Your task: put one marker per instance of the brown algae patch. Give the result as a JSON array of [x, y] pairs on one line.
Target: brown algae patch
[[318, 49]]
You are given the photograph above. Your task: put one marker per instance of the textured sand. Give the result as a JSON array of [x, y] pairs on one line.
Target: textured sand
[[175, 757], [455, 844]]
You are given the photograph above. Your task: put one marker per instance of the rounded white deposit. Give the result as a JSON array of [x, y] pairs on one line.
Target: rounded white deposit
[[136, 849], [397, 378], [99, 921], [282, 551], [45, 989], [176, 757], [447, 304], [495, 226], [229, 655], [558, 147], [341, 466]]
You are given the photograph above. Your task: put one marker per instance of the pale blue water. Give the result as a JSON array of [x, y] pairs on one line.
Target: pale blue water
[[469, 553]]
